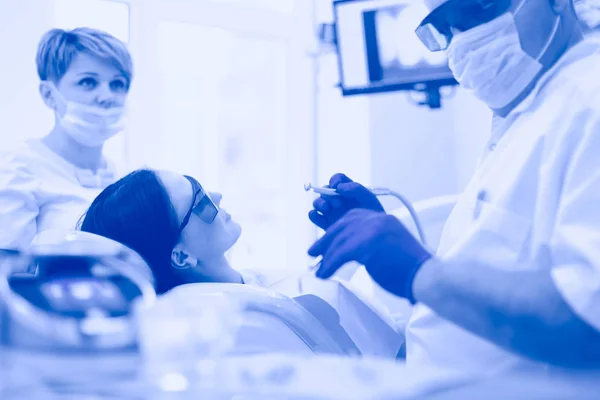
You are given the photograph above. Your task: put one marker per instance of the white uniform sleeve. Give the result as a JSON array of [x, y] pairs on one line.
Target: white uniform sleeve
[[18, 205], [575, 245]]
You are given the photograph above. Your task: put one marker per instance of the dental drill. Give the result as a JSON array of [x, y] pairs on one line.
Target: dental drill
[[377, 192]]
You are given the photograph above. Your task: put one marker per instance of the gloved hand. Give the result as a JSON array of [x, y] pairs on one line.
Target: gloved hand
[[391, 255], [329, 209]]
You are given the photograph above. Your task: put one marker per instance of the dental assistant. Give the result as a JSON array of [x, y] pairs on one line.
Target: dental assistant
[[48, 183], [515, 282]]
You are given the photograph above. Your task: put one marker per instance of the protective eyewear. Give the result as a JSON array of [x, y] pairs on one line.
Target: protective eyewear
[[202, 205], [437, 29]]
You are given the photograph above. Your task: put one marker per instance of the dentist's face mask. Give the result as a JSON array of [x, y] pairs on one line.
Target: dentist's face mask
[[89, 126], [488, 60]]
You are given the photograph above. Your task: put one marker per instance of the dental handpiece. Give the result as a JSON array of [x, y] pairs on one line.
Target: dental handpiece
[[332, 192], [321, 190], [377, 192]]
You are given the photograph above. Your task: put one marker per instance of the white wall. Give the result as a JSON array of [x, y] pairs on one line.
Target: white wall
[[423, 153], [412, 147], [342, 128], [343, 142], [22, 112]]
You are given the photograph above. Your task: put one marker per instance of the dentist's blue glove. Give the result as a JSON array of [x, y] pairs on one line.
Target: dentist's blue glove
[[329, 209], [391, 255]]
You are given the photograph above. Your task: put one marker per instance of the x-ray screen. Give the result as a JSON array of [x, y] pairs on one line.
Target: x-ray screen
[[379, 51]]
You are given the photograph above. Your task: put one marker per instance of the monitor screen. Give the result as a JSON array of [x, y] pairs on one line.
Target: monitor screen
[[379, 51]]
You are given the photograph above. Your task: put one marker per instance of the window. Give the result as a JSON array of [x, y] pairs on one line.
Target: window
[[224, 111], [224, 92]]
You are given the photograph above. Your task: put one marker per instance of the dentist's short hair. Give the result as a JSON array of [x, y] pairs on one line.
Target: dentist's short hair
[[58, 47]]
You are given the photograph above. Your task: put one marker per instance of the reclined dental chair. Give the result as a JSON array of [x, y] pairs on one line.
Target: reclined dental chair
[[269, 322]]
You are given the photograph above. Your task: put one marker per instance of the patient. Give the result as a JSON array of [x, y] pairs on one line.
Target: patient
[[182, 233], [169, 220]]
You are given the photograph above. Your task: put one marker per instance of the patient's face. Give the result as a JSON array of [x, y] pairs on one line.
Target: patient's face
[[203, 241]]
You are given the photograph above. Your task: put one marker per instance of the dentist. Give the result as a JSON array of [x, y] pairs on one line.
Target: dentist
[[515, 282]]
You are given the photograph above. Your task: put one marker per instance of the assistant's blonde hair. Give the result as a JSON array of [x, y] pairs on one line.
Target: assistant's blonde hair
[[58, 47]]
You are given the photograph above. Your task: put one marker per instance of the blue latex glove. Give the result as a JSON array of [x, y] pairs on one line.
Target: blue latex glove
[[329, 209], [391, 255]]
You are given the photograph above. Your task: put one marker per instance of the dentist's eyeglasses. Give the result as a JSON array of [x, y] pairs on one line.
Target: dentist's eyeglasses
[[435, 31], [202, 205]]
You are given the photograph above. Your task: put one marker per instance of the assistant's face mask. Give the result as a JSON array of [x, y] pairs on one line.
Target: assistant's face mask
[[89, 126], [489, 62]]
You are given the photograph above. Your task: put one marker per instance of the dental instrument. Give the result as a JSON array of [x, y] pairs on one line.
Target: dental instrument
[[377, 192]]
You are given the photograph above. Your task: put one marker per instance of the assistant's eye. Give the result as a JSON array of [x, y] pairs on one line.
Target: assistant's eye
[[119, 85], [88, 83]]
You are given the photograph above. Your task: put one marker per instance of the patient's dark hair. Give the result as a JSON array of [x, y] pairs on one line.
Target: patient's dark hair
[[137, 212]]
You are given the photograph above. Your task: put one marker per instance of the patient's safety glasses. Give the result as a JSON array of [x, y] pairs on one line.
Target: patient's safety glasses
[[202, 205], [436, 30]]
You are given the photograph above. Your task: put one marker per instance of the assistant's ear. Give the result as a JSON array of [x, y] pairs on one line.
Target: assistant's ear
[[180, 259], [45, 90]]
